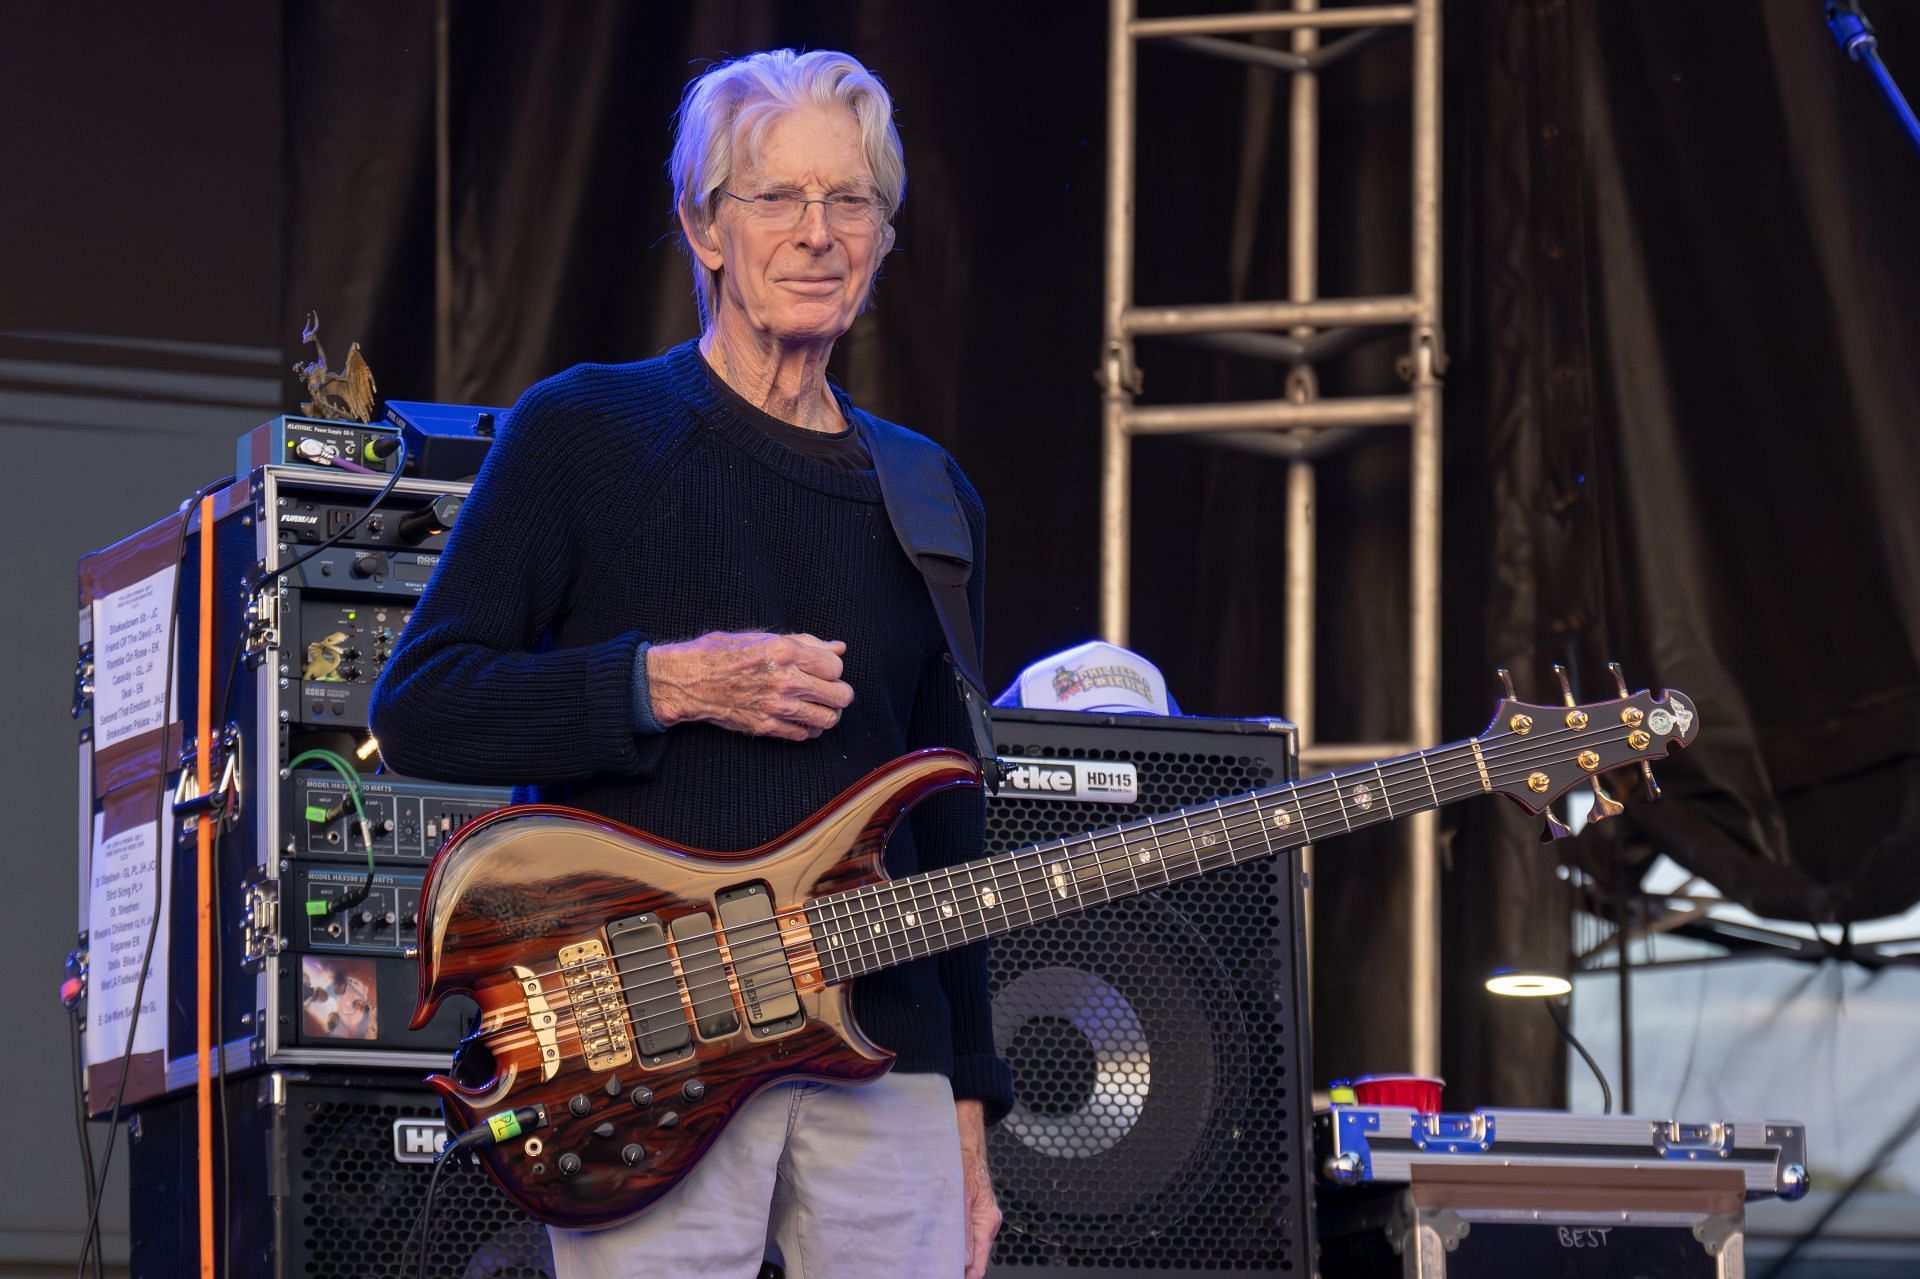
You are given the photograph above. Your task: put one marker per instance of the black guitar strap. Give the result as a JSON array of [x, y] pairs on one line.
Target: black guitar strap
[[926, 517]]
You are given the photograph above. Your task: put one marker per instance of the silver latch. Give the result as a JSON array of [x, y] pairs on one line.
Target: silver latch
[[260, 623], [260, 938]]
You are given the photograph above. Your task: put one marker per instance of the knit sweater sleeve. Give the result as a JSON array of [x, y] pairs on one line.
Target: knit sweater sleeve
[[473, 692], [951, 828]]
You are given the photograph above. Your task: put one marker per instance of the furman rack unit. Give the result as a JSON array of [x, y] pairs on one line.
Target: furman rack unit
[[312, 935]]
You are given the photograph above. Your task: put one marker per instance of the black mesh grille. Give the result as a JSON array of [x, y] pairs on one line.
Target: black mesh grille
[[1153, 1040], [357, 1204]]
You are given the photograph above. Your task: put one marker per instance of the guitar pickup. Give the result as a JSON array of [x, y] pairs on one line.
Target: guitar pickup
[[660, 1029], [759, 959], [706, 976]]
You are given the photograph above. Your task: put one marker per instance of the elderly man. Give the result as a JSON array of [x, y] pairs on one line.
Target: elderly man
[[675, 599]]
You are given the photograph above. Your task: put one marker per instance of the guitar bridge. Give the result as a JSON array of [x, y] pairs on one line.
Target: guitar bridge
[[541, 1017], [599, 1012]]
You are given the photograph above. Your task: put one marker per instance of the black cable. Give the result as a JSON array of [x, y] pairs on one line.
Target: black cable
[[1888, 1148], [90, 1241], [1606, 1093], [399, 465], [80, 1119], [503, 1126], [426, 1209]]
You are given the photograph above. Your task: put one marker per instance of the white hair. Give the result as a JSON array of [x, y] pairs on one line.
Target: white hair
[[727, 111]]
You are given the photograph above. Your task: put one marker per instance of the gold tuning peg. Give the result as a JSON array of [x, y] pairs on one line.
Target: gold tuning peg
[[1604, 805], [1646, 771], [1506, 680], [1566, 689], [1619, 680], [1554, 829]]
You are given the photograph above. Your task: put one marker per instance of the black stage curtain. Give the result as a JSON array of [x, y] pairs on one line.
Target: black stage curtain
[[1676, 260]]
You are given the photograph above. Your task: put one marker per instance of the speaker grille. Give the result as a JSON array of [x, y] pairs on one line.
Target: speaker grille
[[1154, 1040], [358, 1206]]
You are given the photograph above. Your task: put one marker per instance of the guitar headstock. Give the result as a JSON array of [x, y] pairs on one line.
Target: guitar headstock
[[1535, 754]]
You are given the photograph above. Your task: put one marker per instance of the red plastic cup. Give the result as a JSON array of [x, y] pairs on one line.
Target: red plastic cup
[[1422, 1092]]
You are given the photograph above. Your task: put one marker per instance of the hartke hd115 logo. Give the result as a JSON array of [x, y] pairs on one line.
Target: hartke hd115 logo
[[418, 1141], [1092, 781]]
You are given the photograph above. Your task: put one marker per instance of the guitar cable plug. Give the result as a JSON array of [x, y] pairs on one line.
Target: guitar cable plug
[[504, 1126]]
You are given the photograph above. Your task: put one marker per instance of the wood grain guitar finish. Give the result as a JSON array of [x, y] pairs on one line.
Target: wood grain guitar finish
[[638, 993]]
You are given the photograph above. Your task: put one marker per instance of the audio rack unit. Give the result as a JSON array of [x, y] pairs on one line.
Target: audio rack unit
[[313, 933]]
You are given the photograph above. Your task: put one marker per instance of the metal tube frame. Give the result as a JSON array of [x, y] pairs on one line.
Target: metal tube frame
[[1302, 426]]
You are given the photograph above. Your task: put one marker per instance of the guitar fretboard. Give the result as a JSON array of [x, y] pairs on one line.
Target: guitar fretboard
[[867, 929]]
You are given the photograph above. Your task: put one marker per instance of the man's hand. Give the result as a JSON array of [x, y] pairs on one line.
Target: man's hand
[[983, 1210], [786, 686]]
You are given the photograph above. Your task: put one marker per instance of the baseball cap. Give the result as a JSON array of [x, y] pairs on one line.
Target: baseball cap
[[1095, 677]]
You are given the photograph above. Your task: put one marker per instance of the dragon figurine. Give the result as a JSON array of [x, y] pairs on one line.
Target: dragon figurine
[[337, 397]]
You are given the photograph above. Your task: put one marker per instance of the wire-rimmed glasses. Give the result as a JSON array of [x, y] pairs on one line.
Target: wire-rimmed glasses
[[784, 208]]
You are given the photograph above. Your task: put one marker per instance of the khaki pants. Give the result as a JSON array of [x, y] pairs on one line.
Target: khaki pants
[[836, 1182]]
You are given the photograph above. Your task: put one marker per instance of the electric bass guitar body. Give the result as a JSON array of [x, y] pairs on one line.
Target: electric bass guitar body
[[634, 994], [640, 993]]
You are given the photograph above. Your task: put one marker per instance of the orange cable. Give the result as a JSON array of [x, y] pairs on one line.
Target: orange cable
[[203, 967]]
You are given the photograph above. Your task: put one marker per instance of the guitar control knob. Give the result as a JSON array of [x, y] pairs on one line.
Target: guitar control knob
[[693, 1090], [632, 1153], [569, 1164], [580, 1104], [641, 1097]]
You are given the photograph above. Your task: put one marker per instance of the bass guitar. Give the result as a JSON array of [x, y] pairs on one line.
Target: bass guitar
[[634, 994]]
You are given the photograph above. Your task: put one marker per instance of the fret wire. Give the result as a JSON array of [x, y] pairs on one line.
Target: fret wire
[[948, 909], [1193, 845], [846, 946], [817, 923], [1020, 877], [1342, 801], [913, 922], [1266, 830], [1073, 877], [844, 934], [1126, 859], [857, 928], [871, 924], [1386, 791], [1104, 871], [887, 913], [979, 905], [1429, 771], [1220, 814]]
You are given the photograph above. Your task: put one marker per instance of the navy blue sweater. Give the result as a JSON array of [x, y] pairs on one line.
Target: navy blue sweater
[[633, 503]]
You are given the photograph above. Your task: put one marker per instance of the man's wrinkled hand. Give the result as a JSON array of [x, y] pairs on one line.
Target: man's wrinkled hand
[[785, 686], [983, 1210]]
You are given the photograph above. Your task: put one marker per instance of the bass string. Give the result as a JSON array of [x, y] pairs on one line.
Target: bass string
[[1328, 784], [1101, 844]]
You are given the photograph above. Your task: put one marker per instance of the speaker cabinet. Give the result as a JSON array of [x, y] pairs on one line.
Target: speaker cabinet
[[328, 1177], [1162, 1122]]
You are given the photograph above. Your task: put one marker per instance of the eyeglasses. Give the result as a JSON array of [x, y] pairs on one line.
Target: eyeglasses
[[783, 208]]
